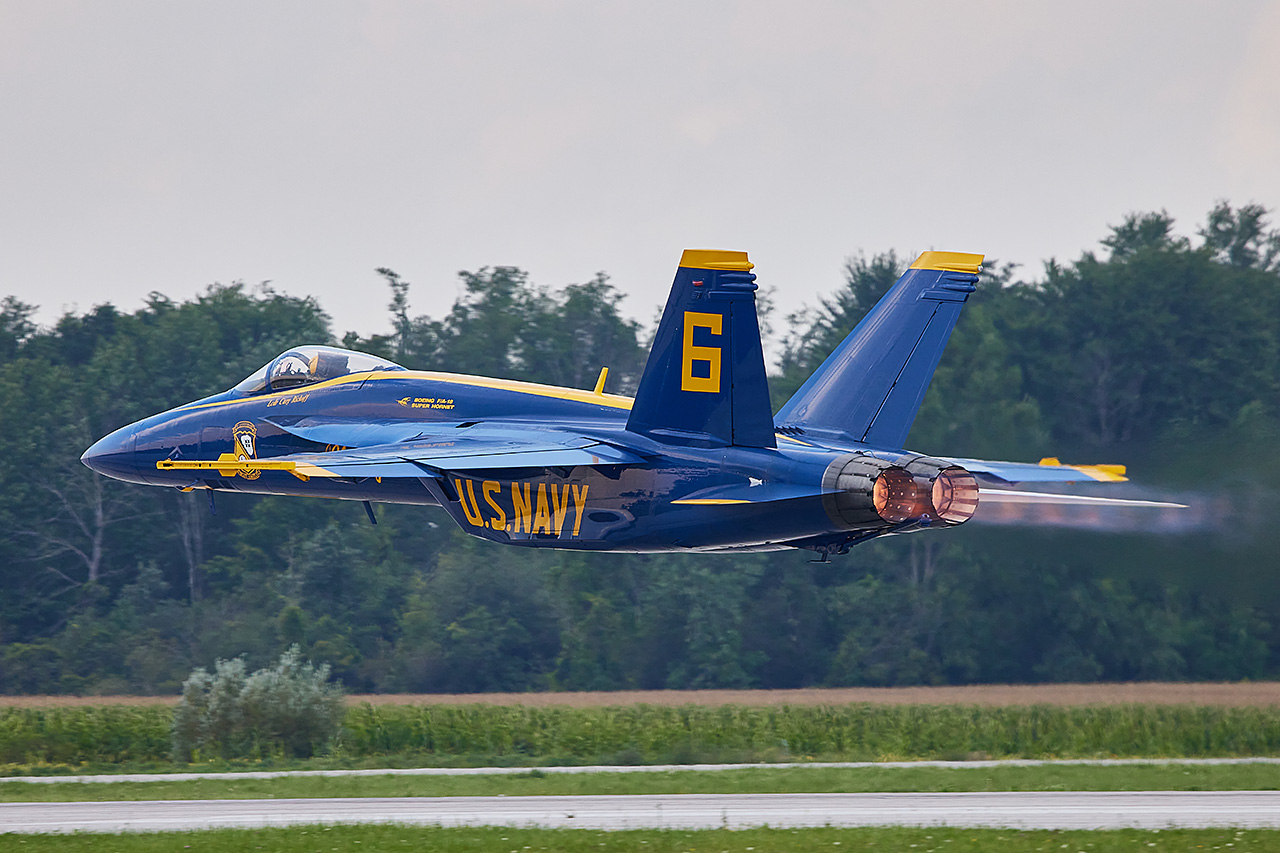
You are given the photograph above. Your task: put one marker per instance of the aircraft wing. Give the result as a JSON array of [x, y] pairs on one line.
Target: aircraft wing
[[359, 432], [428, 457]]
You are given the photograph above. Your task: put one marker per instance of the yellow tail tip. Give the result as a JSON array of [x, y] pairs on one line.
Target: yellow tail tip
[[715, 259], [949, 261]]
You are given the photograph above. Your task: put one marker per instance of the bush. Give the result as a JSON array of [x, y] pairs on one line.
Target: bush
[[290, 710]]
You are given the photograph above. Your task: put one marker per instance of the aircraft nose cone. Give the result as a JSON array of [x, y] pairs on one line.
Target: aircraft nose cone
[[113, 456]]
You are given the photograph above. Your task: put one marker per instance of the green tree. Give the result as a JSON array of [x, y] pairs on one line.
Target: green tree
[[1238, 237], [815, 333]]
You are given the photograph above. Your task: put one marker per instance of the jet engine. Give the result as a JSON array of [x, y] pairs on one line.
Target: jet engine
[[864, 492]]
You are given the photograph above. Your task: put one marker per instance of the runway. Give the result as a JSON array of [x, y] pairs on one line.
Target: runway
[[642, 768], [1014, 810]]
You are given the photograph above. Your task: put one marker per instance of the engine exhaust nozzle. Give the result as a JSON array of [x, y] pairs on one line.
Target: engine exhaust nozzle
[[954, 494]]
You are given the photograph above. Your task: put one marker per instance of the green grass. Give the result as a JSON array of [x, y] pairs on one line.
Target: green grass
[[105, 737], [763, 781], [400, 838]]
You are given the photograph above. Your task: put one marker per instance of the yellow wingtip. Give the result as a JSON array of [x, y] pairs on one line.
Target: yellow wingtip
[[1104, 473], [1101, 473], [949, 261]]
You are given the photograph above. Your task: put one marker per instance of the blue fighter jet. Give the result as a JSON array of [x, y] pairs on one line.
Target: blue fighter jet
[[695, 462]]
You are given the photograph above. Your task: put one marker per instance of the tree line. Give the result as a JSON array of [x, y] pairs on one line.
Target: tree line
[[1160, 350]]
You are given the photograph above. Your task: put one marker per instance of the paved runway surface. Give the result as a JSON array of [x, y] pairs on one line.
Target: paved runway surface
[[1035, 810]]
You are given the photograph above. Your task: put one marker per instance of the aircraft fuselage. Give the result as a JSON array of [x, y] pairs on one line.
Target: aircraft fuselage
[[632, 508]]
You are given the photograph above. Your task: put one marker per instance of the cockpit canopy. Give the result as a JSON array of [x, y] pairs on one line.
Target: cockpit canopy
[[308, 365]]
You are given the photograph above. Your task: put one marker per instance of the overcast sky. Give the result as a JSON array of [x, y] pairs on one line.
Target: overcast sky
[[166, 145]]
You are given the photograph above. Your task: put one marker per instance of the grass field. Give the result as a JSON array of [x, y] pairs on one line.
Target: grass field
[[1222, 694], [753, 781], [100, 734], [398, 838]]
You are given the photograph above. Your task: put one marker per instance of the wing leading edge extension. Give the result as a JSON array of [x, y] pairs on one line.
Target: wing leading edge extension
[[423, 458]]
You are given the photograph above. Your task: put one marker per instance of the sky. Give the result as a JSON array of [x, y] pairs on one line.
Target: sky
[[163, 146]]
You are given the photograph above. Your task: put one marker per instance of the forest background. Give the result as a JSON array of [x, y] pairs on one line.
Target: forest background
[[1160, 351]]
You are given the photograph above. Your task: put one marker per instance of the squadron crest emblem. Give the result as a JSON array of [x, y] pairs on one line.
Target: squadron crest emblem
[[245, 435]]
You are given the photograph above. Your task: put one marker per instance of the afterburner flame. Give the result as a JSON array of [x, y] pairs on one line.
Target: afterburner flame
[[955, 495], [896, 497]]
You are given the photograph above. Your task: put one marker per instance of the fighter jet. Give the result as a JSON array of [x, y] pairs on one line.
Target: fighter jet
[[696, 461]]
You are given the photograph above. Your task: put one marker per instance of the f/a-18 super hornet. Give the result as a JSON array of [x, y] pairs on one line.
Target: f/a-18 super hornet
[[696, 461]]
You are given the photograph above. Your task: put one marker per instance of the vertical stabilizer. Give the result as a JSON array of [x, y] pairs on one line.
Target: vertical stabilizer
[[871, 387], [704, 382]]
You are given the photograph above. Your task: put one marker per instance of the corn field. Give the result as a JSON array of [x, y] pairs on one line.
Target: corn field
[[637, 734]]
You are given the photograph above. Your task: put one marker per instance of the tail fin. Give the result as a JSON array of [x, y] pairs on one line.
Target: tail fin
[[871, 387], [704, 383]]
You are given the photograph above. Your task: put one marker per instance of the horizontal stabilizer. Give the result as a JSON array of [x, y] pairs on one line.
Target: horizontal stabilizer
[[1048, 471], [1015, 497]]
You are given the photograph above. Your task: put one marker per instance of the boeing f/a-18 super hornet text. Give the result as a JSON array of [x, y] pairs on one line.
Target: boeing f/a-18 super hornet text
[[695, 462]]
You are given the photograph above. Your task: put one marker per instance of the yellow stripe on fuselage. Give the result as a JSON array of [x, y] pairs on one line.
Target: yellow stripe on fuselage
[[709, 501], [576, 395]]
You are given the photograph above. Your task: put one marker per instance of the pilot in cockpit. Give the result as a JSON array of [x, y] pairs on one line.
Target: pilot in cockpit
[[308, 365], [326, 364], [290, 371]]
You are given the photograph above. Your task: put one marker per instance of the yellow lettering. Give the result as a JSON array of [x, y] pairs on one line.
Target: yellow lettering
[[489, 487], [560, 502], [542, 517], [710, 383], [580, 501], [521, 507], [472, 512]]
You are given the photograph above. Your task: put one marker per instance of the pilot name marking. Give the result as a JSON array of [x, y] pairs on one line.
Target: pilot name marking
[[284, 401], [529, 508]]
